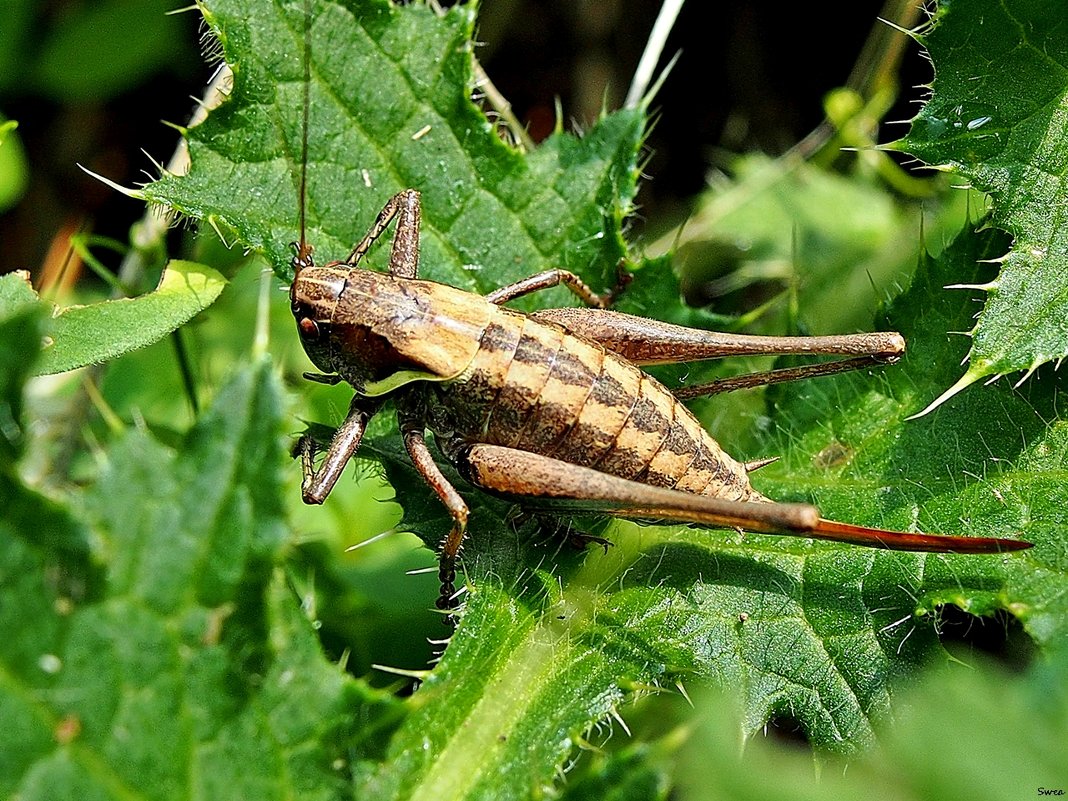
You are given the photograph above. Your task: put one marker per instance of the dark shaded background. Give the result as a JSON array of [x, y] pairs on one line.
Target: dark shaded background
[[750, 76]]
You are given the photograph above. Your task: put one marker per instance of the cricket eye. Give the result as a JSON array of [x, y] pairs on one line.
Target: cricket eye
[[309, 329]]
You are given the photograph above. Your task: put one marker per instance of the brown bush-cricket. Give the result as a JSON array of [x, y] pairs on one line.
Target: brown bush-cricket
[[550, 408]]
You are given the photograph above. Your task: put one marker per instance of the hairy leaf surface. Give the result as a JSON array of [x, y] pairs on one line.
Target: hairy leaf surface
[[82, 335], [554, 640]]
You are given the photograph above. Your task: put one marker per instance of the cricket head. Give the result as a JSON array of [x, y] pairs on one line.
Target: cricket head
[[378, 332], [313, 297]]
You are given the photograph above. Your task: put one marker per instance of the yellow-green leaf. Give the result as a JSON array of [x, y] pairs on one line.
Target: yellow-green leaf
[[82, 335]]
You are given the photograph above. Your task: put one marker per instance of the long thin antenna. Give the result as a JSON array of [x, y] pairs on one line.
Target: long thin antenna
[[303, 256]]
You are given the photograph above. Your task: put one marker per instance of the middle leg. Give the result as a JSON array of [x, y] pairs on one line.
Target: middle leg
[[558, 277], [412, 429]]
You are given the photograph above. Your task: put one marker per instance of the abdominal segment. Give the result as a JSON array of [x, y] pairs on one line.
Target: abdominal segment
[[535, 387]]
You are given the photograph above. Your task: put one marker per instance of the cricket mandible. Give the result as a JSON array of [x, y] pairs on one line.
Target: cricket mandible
[[549, 408]]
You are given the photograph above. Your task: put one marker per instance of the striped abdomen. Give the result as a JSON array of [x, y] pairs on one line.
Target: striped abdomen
[[535, 387]]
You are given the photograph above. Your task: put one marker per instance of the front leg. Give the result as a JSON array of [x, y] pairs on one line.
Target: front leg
[[317, 484]]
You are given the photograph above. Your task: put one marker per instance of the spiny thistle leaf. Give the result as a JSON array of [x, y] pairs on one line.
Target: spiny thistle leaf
[[998, 116]]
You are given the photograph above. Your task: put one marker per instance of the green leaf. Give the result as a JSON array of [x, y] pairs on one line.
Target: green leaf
[[634, 774], [390, 110], [181, 662], [14, 168], [954, 727], [988, 466], [16, 292], [28, 659], [997, 117], [82, 335], [819, 234], [21, 329]]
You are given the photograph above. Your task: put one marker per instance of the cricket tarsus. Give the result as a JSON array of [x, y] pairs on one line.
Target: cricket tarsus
[[412, 428], [549, 408], [322, 378]]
